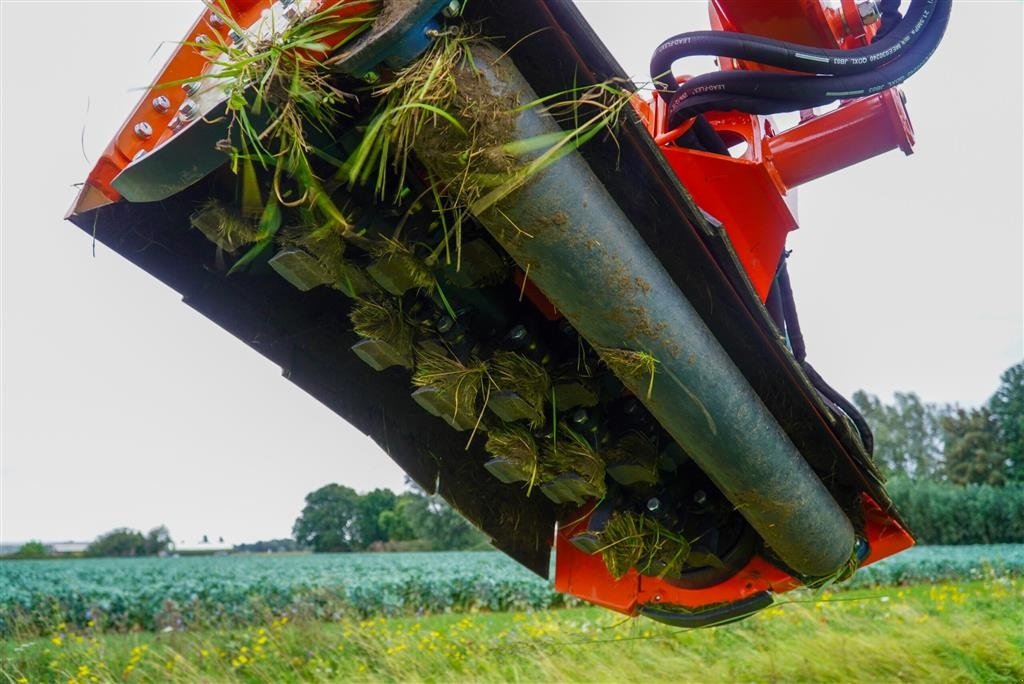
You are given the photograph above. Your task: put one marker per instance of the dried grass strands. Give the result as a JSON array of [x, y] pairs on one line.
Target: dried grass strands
[[225, 226], [632, 367], [632, 540], [383, 320], [514, 372], [402, 257], [515, 444], [570, 452], [461, 383], [278, 90]]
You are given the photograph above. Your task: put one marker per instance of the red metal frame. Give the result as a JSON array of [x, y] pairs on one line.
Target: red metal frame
[[751, 194]]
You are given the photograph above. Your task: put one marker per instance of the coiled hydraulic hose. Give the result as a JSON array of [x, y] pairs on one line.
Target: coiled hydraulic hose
[[771, 93], [794, 56]]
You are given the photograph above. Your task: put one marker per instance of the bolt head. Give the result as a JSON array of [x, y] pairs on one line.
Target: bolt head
[[188, 110], [191, 88], [161, 103], [444, 324], [215, 20], [869, 13], [452, 10], [700, 496], [653, 504], [580, 416], [143, 130]]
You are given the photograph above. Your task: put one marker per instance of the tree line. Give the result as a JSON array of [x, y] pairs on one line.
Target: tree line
[[948, 443], [337, 518], [956, 474]]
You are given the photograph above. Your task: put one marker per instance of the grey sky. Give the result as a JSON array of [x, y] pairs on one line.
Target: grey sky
[[120, 406]]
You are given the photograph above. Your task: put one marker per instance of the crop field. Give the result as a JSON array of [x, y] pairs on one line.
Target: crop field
[[231, 591]]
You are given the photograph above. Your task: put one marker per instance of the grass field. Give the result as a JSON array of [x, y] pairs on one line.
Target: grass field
[[947, 632]]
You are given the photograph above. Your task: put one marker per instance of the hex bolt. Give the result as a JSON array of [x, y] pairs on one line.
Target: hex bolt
[[188, 110], [580, 416], [452, 10], [202, 39], [191, 88], [653, 504], [700, 497], [215, 20], [518, 333], [868, 12], [143, 130], [161, 103], [445, 324], [235, 37]]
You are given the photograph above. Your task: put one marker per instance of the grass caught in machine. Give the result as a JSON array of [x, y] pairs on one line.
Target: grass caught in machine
[[570, 452], [517, 446], [279, 95], [630, 366], [225, 225], [631, 540], [444, 97], [461, 383], [382, 319], [516, 373]]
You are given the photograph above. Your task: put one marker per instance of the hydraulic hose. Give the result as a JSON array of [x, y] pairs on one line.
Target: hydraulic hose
[[770, 93], [796, 342], [794, 56]]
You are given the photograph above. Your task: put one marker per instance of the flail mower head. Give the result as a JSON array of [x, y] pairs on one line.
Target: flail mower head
[[559, 303]]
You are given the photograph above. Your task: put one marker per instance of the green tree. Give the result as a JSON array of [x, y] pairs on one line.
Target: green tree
[[120, 542], [973, 453], [1007, 407], [394, 525], [908, 434], [431, 518], [32, 549], [371, 505], [329, 520], [158, 541]]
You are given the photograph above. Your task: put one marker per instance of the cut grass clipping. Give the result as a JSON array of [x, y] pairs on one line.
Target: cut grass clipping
[[441, 98], [410, 270], [630, 540], [516, 445], [279, 93], [569, 452], [632, 367], [325, 243], [460, 383], [383, 320], [512, 372], [225, 226]]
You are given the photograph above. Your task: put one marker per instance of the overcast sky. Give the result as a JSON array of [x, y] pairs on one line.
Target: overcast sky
[[121, 406]]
